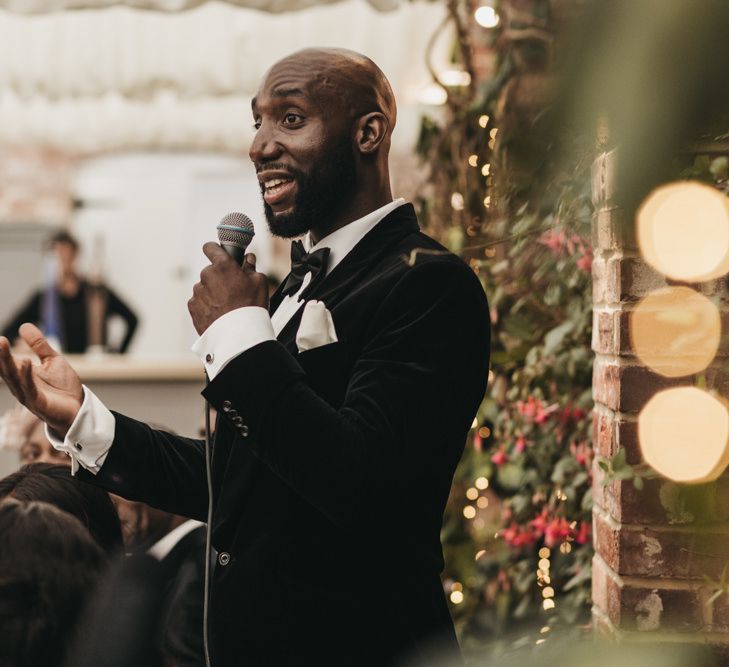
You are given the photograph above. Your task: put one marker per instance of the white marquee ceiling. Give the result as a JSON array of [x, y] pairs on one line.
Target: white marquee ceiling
[[112, 79], [275, 6]]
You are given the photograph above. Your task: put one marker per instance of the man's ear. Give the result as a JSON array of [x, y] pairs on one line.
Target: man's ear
[[370, 131]]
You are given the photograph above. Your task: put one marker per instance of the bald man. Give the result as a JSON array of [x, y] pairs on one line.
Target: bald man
[[343, 405]]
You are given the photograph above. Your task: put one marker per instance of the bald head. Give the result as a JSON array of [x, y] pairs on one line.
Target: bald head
[[347, 79], [324, 120]]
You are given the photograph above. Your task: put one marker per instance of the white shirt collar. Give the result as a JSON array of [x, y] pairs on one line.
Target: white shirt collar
[[162, 548], [341, 241]]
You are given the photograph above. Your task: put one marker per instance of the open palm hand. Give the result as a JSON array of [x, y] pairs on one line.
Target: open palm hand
[[52, 390]]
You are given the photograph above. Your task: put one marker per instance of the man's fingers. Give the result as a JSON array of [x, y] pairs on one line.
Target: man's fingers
[[27, 384], [249, 262], [215, 253], [9, 370], [32, 335]]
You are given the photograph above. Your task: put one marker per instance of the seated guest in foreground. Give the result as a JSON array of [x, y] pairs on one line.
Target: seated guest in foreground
[[52, 484], [49, 565], [179, 545], [334, 451], [22, 431], [66, 310]]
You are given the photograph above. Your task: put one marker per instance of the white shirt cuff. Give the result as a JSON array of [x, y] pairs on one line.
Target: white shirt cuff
[[90, 437], [231, 335]]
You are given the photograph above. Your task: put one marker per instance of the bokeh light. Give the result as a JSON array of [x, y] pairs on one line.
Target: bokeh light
[[487, 17], [684, 434], [675, 331], [683, 231]]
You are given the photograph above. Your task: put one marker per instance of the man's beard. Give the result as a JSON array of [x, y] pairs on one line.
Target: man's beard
[[320, 196]]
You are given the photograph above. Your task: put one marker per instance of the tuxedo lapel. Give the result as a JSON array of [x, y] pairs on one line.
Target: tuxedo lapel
[[378, 241]]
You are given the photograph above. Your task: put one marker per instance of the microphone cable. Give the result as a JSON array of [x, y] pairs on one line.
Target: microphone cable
[[208, 532]]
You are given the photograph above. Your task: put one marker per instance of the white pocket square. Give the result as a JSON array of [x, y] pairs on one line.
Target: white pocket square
[[316, 327]]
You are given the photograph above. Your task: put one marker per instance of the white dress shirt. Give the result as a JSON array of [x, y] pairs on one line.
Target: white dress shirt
[[163, 546], [91, 435]]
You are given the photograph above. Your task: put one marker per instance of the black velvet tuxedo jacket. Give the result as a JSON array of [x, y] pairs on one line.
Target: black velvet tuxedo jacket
[[327, 514]]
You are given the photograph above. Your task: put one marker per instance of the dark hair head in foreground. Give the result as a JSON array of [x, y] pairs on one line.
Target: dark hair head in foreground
[[49, 564], [54, 484]]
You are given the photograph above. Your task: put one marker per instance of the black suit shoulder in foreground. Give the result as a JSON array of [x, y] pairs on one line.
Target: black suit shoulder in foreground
[[332, 467]]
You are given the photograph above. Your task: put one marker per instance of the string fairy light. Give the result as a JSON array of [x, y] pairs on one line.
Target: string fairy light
[[481, 483]]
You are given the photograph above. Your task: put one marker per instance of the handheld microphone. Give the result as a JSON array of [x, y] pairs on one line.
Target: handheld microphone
[[235, 232]]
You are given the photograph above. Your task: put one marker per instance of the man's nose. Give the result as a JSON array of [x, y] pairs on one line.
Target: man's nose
[[264, 146]]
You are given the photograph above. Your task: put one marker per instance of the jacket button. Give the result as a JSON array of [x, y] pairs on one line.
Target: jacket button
[[223, 558], [237, 420], [227, 405], [243, 430], [78, 446]]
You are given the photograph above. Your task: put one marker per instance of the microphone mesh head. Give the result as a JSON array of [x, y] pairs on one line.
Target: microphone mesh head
[[235, 229]]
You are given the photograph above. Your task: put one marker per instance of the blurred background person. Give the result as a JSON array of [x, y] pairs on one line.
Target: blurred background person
[[70, 309], [22, 431], [179, 546], [49, 565], [52, 484]]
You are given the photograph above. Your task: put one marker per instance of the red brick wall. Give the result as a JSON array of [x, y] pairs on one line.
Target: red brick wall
[[654, 547], [35, 186]]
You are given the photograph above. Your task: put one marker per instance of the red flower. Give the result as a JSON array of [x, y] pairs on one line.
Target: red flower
[[477, 442], [584, 263], [584, 533], [582, 453], [557, 531], [540, 523], [500, 457], [520, 444]]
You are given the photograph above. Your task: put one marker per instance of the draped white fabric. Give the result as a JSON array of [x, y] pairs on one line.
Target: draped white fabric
[[275, 6], [118, 78]]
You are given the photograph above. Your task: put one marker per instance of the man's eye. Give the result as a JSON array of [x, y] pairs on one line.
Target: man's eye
[[291, 118], [257, 125]]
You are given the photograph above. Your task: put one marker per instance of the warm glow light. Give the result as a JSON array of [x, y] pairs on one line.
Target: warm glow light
[[457, 201], [482, 483], [483, 121], [487, 17], [472, 493], [494, 132], [486, 169], [565, 547], [675, 331], [473, 160], [548, 592], [480, 554], [544, 552], [548, 604], [433, 94], [469, 511], [456, 597], [487, 201], [455, 77], [482, 502], [484, 431], [457, 586], [683, 231], [543, 564], [684, 434], [474, 424]]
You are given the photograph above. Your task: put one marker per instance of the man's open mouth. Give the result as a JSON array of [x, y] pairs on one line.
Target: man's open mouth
[[277, 190]]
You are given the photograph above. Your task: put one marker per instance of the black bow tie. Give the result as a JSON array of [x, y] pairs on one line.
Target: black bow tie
[[303, 262]]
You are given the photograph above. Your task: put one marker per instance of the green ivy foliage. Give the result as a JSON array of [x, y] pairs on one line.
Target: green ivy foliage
[[516, 535]]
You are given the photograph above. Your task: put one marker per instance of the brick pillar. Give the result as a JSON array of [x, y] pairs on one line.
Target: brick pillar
[[653, 547]]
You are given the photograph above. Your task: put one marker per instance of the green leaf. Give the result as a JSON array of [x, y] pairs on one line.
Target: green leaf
[[554, 338]]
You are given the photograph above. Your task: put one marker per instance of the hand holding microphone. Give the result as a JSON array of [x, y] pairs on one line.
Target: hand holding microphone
[[231, 280]]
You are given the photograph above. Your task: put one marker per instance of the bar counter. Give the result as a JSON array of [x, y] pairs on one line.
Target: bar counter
[[163, 392]]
